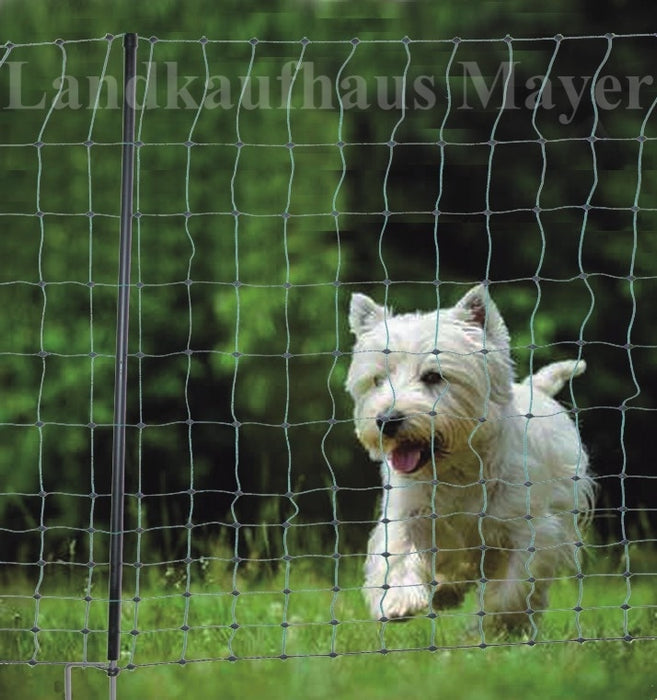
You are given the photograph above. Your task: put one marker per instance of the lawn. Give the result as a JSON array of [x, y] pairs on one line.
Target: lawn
[[334, 650]]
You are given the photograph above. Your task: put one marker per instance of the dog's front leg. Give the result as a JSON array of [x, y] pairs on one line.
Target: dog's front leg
[[397, 570]]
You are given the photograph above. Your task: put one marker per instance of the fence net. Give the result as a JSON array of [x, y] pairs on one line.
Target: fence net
[[272, 180]]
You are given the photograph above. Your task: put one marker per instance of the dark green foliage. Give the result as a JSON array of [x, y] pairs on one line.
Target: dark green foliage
[[238, 387]]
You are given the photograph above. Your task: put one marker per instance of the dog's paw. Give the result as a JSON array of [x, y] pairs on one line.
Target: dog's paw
[[397, 602]]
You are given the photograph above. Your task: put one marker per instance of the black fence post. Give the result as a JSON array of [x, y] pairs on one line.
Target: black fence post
[[121, 374]]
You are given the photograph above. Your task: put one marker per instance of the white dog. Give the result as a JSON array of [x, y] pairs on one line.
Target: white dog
[[485, 480]]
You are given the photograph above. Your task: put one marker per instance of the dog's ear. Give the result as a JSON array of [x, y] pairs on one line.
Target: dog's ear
[[364, 314], [477, 307], [478, 310]]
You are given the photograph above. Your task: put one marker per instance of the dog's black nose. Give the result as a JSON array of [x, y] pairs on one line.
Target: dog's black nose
[[389, 422]]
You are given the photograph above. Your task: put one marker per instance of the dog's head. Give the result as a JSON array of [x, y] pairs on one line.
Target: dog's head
[[425, 385]]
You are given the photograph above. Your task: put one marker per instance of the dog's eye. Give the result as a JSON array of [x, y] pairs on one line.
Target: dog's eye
[[379, 379], [431, 377]]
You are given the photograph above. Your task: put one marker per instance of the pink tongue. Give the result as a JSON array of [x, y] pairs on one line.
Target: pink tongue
[[404, 460]]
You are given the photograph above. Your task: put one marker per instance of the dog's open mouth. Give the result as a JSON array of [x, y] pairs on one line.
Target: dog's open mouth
[[408, 458]]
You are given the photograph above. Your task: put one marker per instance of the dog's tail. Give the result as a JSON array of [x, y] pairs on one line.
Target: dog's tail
[[551, 378]]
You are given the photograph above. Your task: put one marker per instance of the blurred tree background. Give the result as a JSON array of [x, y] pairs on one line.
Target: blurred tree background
[[260, 207]]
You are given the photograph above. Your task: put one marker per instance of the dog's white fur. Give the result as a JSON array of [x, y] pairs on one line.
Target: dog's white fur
[[485, 480]]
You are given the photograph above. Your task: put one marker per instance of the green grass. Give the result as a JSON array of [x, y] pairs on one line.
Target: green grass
[[426, 657]]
